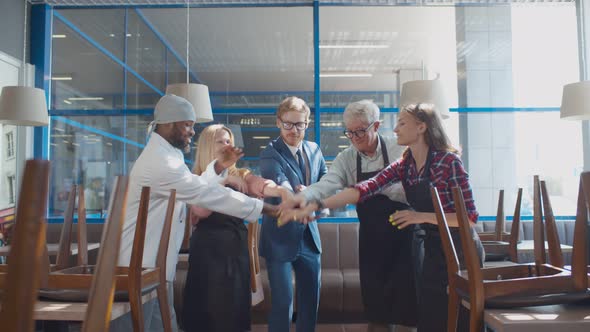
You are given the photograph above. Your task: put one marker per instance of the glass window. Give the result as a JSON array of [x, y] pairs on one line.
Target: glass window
[[10, 145], [11, 181], [88, 151]]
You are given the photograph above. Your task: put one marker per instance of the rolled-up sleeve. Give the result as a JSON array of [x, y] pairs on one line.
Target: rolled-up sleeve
[[376, 184]]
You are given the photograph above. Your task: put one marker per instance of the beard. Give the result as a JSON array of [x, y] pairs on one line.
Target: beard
[[178, 141]]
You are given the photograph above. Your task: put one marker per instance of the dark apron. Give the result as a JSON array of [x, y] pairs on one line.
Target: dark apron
[[217, 293], [433, 300], [387, 280]]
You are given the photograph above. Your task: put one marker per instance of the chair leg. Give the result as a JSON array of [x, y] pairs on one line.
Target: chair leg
[[164, 306], [136, 308], [475, 315], [453, 312]]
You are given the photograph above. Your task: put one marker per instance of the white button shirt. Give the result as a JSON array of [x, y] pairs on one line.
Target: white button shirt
[[161, 167]]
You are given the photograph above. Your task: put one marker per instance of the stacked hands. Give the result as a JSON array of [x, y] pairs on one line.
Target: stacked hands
[[296, 208]]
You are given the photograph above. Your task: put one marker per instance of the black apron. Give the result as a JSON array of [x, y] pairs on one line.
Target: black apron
[[433, 300], [217, 295], [385, 262]]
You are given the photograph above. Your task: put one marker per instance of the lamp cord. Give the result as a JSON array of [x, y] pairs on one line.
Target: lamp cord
[[24, 47], [187, 38]]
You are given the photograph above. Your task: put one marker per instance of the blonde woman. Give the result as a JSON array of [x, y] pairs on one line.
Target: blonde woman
[[217, 292]]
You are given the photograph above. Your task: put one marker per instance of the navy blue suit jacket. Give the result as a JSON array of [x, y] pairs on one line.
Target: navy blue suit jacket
[[278, 164]]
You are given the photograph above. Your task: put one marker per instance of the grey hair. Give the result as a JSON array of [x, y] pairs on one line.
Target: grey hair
[[365, 110]]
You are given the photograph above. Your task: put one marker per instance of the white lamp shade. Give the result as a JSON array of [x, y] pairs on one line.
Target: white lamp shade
[[575, 101], [425, 91], [197, 95], [23, 106]]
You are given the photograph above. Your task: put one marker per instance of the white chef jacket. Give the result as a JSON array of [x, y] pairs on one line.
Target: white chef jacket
[[161, 167], [342, 172]]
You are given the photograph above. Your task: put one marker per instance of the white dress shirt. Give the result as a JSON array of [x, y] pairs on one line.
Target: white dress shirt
[[161, 167], [342, 173]]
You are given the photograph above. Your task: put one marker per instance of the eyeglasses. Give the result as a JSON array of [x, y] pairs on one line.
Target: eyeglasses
[[289, 125], [360, 133]]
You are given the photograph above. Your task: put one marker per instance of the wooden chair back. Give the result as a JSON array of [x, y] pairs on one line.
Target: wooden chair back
[[555, 254], [450, 256], [64, 255], [82, 230], [103, 281], [136, 261], [580, 251], [255, 275], [538, 228], [506, 247], [161, 261], [23, 275]]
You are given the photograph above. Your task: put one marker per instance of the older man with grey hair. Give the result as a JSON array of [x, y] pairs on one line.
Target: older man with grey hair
[[161, 166], [386, 260]]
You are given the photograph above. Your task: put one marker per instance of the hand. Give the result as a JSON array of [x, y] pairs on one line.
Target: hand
[[291, 201], [271, 210], [404, 218], [300, 188], [236, 183], [303, 215], [228, 156]]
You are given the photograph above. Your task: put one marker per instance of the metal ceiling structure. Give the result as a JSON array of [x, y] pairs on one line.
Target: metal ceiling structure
[[87, 3]]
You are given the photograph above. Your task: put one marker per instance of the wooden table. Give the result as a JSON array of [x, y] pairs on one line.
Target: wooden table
[[539, 319], [53, 248]]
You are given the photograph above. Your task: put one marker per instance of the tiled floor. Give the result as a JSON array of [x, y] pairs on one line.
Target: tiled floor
[[322, 328]]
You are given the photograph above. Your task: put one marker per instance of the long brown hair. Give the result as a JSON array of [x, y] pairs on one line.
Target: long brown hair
[[435, 134], [206, 151]]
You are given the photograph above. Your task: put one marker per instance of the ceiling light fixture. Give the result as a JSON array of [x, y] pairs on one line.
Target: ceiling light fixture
[[23, 105], [85, 98], [58, 36], [196, 94], [260, 137], [355, 46], [338, 75], [67, 102], [61, 78]]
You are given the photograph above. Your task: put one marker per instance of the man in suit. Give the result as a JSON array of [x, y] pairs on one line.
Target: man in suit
[[295, 163]]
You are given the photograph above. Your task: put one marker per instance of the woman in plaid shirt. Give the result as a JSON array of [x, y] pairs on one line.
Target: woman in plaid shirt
[[429, 160]]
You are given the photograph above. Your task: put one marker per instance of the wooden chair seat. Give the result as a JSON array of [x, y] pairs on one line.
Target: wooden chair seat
[[82, 277]]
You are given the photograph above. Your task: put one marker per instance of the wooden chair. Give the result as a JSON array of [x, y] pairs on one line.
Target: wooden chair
[[498, 234], [583, 208], [255, 275], [103, 281], [502, 246], [131, 282], [500, 287], [23, 275]]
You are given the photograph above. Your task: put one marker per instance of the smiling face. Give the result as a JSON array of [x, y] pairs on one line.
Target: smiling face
[[181, 135], [408, 129], [221, 140], [368, 143], [292, 136]]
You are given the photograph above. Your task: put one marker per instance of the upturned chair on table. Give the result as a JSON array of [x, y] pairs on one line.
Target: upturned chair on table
[[508, 286]]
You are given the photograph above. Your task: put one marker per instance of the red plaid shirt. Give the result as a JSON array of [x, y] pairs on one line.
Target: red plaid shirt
[[446, 171]]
